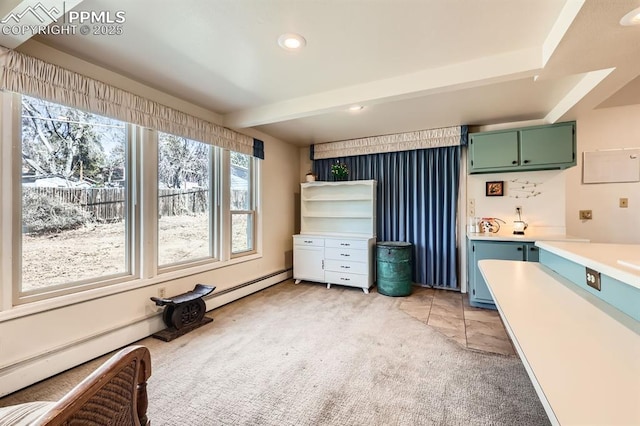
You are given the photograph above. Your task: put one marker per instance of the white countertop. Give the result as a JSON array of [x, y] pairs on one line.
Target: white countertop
[[582, 355], [601, 257], [526, 238]]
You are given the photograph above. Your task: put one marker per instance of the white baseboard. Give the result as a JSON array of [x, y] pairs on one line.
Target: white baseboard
[[35, 369]]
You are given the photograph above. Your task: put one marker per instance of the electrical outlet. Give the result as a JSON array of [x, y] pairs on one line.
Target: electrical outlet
[[162, 292], [624, 203], [593, 278], [471, 207], [586, 215]]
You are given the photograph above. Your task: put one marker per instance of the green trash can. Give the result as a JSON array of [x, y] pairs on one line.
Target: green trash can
[[394, 268]]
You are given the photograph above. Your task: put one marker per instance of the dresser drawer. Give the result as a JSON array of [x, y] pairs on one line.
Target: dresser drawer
[[345, 254], [301, 240], [346, 243], [341, 278], [346, 266]]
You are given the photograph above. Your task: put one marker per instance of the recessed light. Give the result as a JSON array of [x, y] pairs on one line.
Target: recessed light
[[631, 18], [355, 107], [291, 41]]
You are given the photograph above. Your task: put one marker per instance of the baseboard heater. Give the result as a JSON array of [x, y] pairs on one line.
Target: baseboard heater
[[248, 283]]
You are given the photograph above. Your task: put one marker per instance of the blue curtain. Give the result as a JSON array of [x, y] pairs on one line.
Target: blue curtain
[[417, 202]]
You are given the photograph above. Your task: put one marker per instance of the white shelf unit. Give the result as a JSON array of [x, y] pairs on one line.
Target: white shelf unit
[[336, 244], [338, 208]]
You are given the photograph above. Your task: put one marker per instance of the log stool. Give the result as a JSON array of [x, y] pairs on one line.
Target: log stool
[[183, 313]]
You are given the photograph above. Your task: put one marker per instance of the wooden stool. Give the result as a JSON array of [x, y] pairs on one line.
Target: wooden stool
[[184, 312]]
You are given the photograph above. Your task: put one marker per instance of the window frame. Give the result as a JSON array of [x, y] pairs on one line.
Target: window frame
[[214, 256], [132, 219], [142, 232], [252, 211]]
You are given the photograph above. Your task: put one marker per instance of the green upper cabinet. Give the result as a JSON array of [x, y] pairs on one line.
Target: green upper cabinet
[[530, 148]]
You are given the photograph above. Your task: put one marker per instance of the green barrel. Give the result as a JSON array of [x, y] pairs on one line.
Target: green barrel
[[394, 268]]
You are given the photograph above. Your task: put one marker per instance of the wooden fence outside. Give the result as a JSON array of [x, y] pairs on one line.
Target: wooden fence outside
[[108, 204]]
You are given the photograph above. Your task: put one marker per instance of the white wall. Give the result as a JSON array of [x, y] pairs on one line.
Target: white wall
[[607, 128], [543, 210], [36, 343]]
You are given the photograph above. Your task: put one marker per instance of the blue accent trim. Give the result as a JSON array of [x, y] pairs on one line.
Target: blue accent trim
[[312, 152], [258, 148], [464, 135], [621, 296]]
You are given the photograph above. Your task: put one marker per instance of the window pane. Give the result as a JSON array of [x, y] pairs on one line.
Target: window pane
[[184, 170], [74, 192], [241, 205], [241, 232], [240, 181]]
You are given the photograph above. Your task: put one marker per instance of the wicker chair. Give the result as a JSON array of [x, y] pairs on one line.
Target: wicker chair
[[114, 394]]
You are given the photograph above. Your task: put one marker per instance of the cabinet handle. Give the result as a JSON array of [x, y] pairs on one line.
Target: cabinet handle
[[534, 248], [519, 248], [526, 161], [308, 241], [345, 267], [345, 254], [514, 162], [345, 244], [345, 279]]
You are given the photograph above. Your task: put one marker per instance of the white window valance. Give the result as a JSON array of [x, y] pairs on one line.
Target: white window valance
[[421, 139], [33, 77]]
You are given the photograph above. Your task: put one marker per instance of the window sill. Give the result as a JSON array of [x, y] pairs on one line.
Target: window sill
[[36, 307]]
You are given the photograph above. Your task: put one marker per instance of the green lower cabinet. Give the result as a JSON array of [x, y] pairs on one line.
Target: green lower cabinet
[[479, 295]]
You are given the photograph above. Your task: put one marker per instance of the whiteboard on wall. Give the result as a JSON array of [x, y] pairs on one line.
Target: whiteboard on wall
[[615, 165]]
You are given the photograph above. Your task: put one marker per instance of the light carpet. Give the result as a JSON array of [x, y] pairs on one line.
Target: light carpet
[[305, 355]]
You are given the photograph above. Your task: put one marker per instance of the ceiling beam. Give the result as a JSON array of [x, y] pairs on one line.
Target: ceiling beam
[[475, 73], [23, 19], [577, 93], [560, 28]]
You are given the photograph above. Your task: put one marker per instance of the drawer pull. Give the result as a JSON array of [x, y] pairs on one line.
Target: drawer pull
[[345, 267], [345, 279], [345, 254], [308, 241], [345, 244]]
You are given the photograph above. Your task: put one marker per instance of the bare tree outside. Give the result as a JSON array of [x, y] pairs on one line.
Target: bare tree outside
[[73, 184], [74, 198], [184, 172]]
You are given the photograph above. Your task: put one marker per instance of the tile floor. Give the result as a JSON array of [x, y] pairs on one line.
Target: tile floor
[[449, 313]]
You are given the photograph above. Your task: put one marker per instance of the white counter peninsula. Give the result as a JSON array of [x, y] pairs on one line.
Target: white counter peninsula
[[579, 345]]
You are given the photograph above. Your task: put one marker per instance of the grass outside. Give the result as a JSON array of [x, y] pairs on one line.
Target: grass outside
[[99, 250]]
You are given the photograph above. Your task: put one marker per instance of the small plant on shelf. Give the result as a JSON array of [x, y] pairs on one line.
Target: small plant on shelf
[[339, 171]]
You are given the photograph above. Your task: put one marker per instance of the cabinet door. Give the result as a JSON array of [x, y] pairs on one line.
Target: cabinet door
[[533, 253], [308, 263], [548, 145], [493, 150], [490, 250]]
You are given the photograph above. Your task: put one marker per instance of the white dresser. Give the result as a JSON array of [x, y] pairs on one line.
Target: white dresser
[[336, 244]]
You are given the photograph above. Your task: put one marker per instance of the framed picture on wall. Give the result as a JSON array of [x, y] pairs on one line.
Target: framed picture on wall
[[495, 189]]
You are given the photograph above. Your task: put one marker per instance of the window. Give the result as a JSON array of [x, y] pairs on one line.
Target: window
[[242, 203], [74, 198], [83, 218], [185, 231]]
